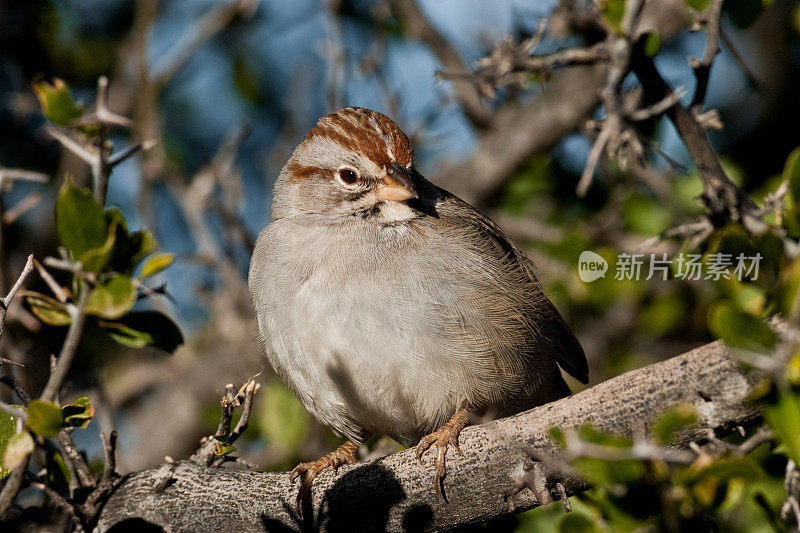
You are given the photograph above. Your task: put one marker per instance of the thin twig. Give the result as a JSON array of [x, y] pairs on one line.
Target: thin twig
[[5, 302], [102, 115], [70, 346], [15, 384], [594, 158], [510, 64], [12, 486], [132, 150], [57, 498], [249, 392], [417, 25], [762, 435], [74, 458], [22, 207], [61, 293], [16, 412], [659, 108], [109, 453], [72, 145], [702, 68], [724, 200], [198, 33], [12, 174]]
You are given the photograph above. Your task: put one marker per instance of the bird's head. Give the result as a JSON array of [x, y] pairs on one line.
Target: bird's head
[[353, 163]]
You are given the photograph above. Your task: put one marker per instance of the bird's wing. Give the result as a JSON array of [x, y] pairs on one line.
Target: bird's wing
[[567, 350]]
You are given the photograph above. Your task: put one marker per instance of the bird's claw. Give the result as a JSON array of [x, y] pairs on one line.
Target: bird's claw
[[445, 436], [344, 454]]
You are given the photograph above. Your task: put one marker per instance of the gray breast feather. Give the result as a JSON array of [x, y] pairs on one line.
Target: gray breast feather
[[376, 332]]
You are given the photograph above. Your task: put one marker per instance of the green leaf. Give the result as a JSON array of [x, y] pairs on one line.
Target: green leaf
[[784, 419], [8, 428], [57, 472], [44, 418], [47, 309], [79, 220], [130, 248], [128, 336], [652, 44], [142, 328], [575, 523], [283, 420], [675, 419], [604, 472], [18, 448], [728, 468], [56, 101], [94, 260], [791, 174], [699, 5], [588, 433], [613, 11], [145, 244], [740, 330], [113, 299], [225, 450], [792, 372], [79, 413], [156, 264]]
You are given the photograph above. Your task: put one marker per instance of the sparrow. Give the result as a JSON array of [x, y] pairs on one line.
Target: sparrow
[[392, 307]]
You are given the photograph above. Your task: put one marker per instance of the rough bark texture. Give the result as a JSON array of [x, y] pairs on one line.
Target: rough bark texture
[[395, 493]]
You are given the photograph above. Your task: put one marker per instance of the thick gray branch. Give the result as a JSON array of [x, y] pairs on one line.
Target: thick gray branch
[[395, 493]]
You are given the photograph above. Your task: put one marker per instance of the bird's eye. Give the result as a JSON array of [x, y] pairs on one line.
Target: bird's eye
[[348, 177]]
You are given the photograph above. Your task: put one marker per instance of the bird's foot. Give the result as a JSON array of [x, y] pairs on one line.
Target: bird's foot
[[442, 437], [343, 455]]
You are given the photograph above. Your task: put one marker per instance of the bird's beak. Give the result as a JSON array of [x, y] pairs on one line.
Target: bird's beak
[[397, 186]]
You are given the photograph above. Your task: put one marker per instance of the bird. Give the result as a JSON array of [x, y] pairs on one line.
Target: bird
[[389, 306]]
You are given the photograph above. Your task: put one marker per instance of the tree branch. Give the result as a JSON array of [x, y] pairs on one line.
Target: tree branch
[[519, 130], [419, 27], [393, 493], [724, 200]]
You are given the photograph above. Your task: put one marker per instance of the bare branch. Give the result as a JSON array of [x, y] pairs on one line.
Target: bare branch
[[21, 207], [15, 384], [88, 156], [130, 151], [6, 302], [208, 452], [594, 156], [193, 38], [510, 64], [702, 68], [16, 412], [69, 348], [489, 467], [419, 27], [659, 108], [17, 174], [724, 200], [12, 486], [74, 459], [61, 293]]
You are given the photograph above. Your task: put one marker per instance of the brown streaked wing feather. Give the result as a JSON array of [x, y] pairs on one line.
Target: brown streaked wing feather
[[568, 352]]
